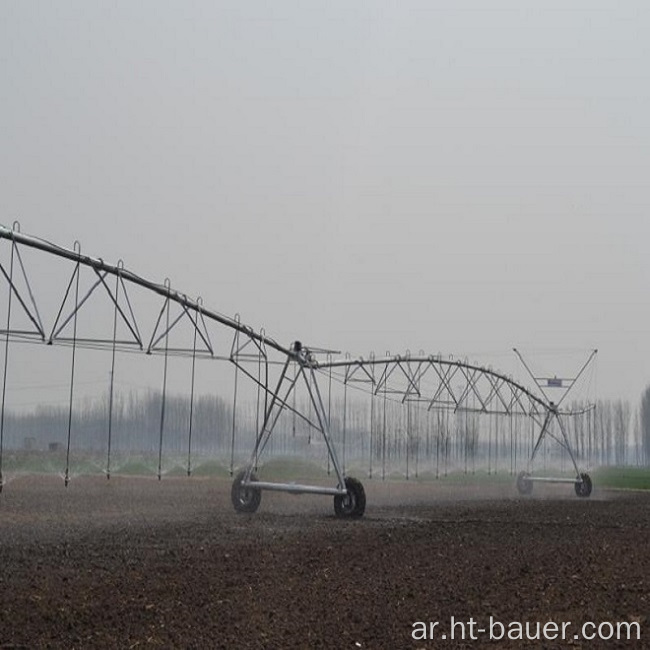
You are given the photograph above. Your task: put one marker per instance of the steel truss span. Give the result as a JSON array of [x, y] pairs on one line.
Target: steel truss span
[[294, 383]]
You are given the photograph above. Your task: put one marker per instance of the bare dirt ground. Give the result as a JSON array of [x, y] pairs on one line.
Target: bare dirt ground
[[131, 563]]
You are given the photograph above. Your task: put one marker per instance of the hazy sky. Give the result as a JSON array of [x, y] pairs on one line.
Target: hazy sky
[[461, 177]]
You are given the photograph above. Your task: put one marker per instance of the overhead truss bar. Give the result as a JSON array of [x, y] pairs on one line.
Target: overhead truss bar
[[440, 383], [103, 269]]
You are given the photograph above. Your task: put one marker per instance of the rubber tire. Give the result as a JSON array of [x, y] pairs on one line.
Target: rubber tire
[[584, 488], [353, 504], [245, 499], [524, 485]]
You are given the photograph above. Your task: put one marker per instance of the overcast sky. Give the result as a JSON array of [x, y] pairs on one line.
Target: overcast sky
[[457, 177]]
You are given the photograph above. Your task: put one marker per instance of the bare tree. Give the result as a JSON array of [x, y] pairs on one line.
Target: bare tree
[[645, 425], [603, 432], [637, 438], [622, 414]]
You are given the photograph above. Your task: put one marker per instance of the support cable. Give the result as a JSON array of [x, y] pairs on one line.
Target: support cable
[[329, 418], [164, 394], [112, 383], [259, 389], [408, 436], [6, 362], [438, 430], [383, 444], [74, 351], [372, 428], [234, 417], [189, 433]]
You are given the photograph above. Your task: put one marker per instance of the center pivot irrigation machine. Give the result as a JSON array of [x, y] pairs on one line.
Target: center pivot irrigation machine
[[306, 384]]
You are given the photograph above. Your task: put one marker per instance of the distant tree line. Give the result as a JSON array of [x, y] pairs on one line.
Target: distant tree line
[[384, 436], [606, 435], [135, 424]]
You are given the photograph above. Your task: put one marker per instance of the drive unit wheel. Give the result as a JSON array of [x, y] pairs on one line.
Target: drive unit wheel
[[353, 503], [245, 499], [584, 486], [524, 484]]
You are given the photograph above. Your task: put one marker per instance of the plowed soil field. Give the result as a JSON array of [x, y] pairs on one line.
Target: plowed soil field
[[137, 563]]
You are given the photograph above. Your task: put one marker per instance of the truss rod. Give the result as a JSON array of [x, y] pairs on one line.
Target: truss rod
[[160, 289], [443, 368]]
